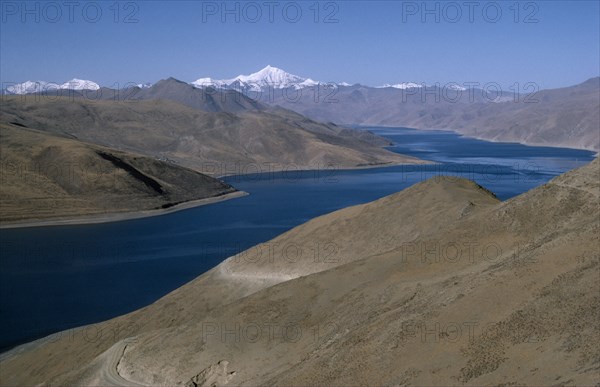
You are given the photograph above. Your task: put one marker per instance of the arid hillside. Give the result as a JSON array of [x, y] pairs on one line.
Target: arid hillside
[[215, 143], [46, 176], [440, 284]]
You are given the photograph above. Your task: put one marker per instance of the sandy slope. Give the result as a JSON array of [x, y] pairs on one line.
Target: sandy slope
[[439, 284]]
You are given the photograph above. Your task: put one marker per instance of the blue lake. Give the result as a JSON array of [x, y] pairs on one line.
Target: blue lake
[[55, 278]]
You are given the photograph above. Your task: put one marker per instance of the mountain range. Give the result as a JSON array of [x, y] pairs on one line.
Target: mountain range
[[30, 87], [567, 117], [164, 145], [267, 77], [439, 284], [217, 134], [217, 129]]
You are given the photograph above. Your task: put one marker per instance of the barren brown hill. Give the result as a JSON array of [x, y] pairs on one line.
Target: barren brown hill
[[216, 143], [50, 177], [208, 100], [440, 284]]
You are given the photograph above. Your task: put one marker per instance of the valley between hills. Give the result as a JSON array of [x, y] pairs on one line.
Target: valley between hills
[[241, 126], [300, 193], [441, 283]]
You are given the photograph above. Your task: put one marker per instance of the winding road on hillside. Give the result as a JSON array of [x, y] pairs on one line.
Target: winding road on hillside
[[109, 374]]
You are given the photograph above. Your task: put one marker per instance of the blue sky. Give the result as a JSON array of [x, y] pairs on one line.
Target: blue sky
[[551, 43]]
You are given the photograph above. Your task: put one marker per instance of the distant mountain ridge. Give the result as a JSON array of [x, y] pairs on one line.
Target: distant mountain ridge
[[565, 117], [30, 87], [267, 77]]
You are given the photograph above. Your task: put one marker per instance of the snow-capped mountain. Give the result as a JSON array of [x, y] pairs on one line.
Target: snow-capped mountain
[[412, 85], [80, 84], [209, 82], [455, 86], [268, 77], [403, 85], [29, 87], [273, 77]]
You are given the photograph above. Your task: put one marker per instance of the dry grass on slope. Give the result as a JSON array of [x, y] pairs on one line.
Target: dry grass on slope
[[48, 177]]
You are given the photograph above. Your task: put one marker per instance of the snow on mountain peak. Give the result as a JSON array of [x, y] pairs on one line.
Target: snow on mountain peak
[[267, 77], [80, 84], [403, 85], [455, 86], [209, 82], [271, 76], [29, 87]]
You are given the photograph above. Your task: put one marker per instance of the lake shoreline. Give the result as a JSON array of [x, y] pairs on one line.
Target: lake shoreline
[[482, 138], [326, 170], [120, 216], [130, 215], [277, 202]]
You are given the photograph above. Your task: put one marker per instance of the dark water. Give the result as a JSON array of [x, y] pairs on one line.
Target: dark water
[[55, 278]]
